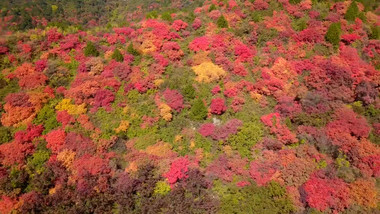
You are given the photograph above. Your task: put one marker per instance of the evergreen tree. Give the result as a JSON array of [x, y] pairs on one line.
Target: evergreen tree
[[375, 32], [352, 12], [294, 1], [117, 55], [211, 8], [198, 110], [90, 50], [132, 50], [333, 34], [222, 22]]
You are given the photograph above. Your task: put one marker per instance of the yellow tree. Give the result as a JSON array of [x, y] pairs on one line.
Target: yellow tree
[[208, 72]]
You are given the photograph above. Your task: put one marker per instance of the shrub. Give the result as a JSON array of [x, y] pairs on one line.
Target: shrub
[[90, 50], [333, 34]]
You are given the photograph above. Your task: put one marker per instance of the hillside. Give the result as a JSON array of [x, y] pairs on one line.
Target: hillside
[[157, 106]]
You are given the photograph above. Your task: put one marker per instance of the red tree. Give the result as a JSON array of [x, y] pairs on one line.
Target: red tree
[[324, 193], [174, 99], [178, 170], [55, 140], [218, 106], [179, 25], [16, 151], [103, 98]]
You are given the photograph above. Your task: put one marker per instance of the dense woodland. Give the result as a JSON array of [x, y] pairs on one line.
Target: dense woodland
[[238, 106]]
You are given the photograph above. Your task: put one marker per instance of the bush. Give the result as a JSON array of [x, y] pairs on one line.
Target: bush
[[352, 12], [117, 55], [198, 110], [90, 50], [333, 34], [222, 22]]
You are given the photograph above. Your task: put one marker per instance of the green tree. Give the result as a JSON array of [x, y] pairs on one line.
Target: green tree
[[132, 50], [5, 135], [117, 55], [222, 22], [294, 1], [375, 32], [269, 199], [167, 16], [248, 136], [189, 92], [47, 117], [211, 8], [352, 12], [198, 110], [90, 49], [333, 34]]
